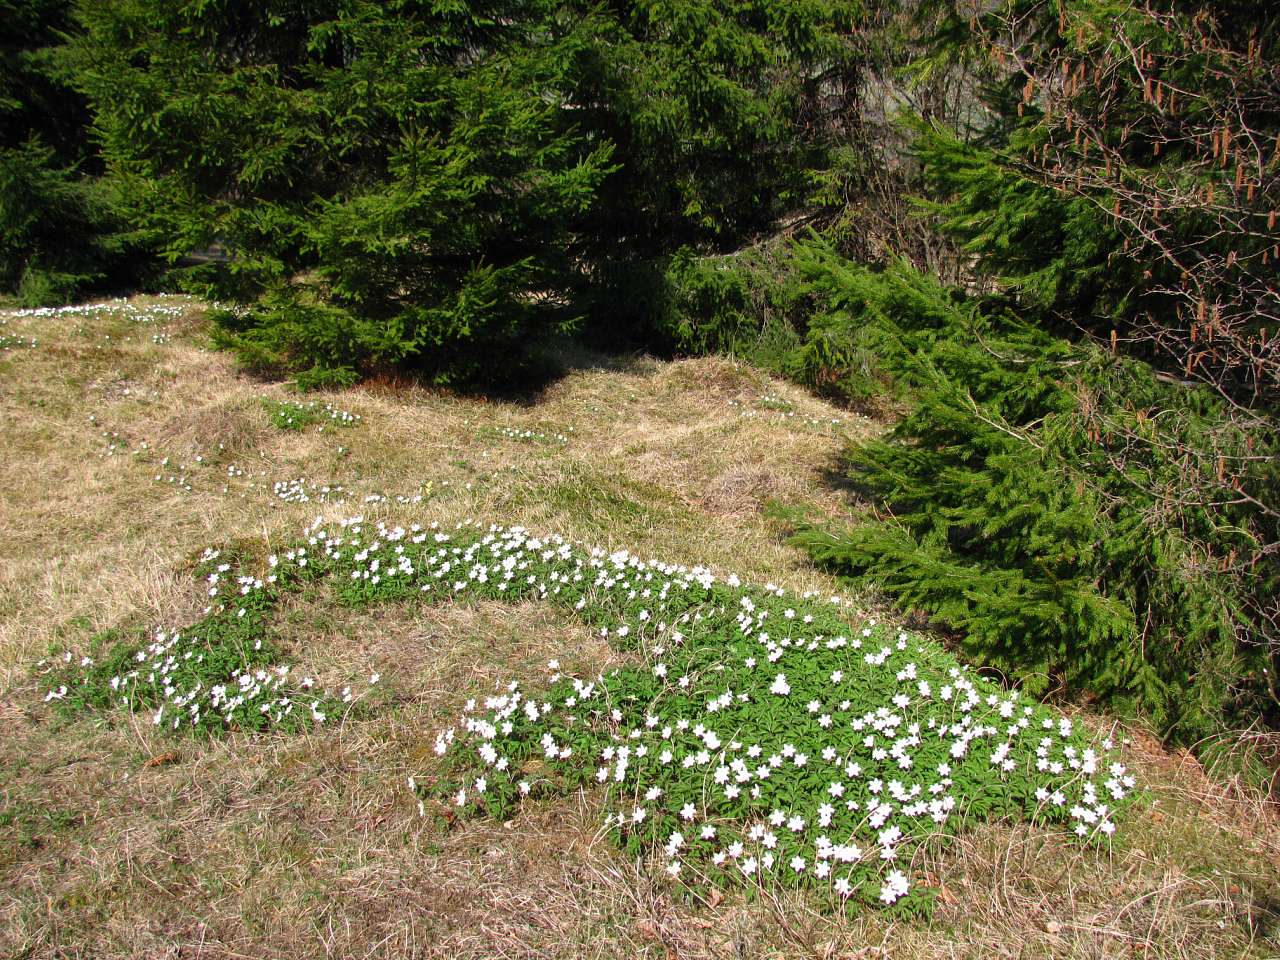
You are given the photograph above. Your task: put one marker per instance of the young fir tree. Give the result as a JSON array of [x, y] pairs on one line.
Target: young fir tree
[[1128, 175], [1082, 523], [723, 112], [394, 184], [715, 108], [428, 186]]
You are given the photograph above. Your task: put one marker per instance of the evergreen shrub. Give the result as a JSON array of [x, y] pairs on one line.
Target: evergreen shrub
[[1087, 524], [1123, 173], [431, 187], [394, 185], [1083, 521], [63, 225]]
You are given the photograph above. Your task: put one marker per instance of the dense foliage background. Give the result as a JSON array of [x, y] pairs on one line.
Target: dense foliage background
[[1043, 236], [429, 185], [64, 230]]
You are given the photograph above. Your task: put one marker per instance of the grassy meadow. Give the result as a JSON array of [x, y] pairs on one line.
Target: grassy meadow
[[129, 447]]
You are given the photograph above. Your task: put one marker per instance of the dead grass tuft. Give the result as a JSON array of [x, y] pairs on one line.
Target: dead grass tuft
[[741, 490], [226, 426]]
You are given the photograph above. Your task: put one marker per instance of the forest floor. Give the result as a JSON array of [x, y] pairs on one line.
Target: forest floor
[[127, 447]]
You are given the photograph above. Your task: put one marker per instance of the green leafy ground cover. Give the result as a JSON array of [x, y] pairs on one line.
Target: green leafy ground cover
[[298, 415], [755, 738]]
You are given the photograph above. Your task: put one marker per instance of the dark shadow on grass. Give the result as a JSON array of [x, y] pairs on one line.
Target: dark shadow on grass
[[525, 385]]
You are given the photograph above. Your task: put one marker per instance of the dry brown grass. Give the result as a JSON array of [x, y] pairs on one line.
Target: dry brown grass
[[119, 842]]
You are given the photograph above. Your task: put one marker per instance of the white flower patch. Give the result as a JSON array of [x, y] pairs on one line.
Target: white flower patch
[[784, 413], [528, 436], [12, 341], [298, 415], [743, 744], [715, 759]]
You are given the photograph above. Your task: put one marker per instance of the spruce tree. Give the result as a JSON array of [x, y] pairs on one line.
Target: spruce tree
[[1083, 524], [394, 184], [724, 113], [1085, 485], [1128, 175], [427, 186], [62, 229]]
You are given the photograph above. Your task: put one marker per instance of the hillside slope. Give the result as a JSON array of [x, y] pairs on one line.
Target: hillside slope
[[130, 449]]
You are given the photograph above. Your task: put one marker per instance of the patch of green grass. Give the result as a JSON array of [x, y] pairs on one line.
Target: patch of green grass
[[296, 416], [607, 506], [611, 506], [32, 822]]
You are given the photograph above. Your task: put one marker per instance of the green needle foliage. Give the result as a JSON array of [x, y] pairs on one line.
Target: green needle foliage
[[430, 186], [1083, 522], [1126, 174], [1060, 491], [393, 183], [63, 231]]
